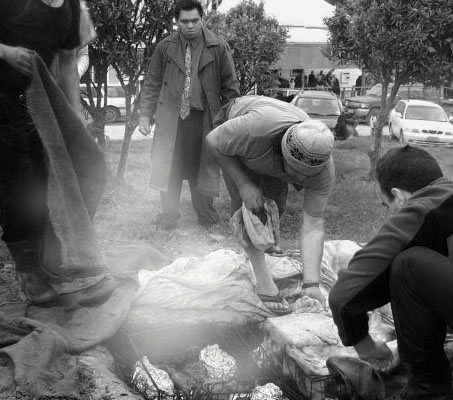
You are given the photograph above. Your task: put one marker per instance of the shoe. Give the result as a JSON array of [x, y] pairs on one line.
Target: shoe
[[276, 304], [165, 222], [403, 394], [274, 250]]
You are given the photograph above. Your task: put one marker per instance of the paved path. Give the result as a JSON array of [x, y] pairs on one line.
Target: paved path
[[116, 132]]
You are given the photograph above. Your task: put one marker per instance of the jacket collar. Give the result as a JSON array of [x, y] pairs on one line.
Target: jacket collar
[[174, 49]]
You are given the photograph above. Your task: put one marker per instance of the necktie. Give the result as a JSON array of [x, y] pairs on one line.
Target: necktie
[[185, 100]]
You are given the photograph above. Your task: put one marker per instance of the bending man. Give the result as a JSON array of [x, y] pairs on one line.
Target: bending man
[[264, 145]]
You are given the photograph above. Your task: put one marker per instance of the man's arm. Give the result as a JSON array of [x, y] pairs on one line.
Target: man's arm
[[68, 76], [151, 89], [229, 81], [249, 192], [312, 245]]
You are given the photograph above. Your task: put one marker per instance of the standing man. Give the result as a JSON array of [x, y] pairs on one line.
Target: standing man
[[191, 74], [264, 145], [405, 264]]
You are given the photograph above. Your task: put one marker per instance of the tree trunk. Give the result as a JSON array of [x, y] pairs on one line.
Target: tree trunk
[[131, 124]]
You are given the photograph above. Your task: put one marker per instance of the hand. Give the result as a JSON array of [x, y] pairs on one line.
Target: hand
[[144, 126], [251, 196], [376, 353], [20, 59], [315, 293]]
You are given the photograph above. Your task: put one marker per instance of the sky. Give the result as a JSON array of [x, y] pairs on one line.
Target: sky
[[291, 12]]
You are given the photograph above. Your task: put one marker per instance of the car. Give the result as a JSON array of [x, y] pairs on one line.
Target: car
[[115, 109], [322, 105], [366, 108], [420, 122]]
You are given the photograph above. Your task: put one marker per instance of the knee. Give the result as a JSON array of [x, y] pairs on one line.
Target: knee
[[405, 265]]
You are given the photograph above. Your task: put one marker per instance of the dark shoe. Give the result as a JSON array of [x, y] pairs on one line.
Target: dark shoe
[[165, 222], [24, 255], [276, 304], [403, 394], [274, 250]]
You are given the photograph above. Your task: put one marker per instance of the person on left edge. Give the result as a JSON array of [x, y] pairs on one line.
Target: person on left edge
[[190, 75], [48, 28]]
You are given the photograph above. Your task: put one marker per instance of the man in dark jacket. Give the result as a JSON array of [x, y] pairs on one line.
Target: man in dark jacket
[[190, 74], [407, 264]]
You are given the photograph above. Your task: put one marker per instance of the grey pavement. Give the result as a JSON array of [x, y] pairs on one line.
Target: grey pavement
[[116, 132]]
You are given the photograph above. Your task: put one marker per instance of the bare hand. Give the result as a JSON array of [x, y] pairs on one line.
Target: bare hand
[[144, 126], [252, 197], [20, 59], [376, 353], [315, 293]]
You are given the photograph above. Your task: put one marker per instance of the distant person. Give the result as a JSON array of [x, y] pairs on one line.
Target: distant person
[[292, 83], [358, 85], [264, 145], [190, 74], [335, 84], [321, 79], [312, 81], [407, 264], [298, 81]]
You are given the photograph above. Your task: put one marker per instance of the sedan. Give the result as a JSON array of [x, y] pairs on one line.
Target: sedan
[[420, 122]]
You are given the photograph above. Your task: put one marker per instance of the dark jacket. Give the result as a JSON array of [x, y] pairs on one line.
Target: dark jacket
[[426, 220], [161, 97]]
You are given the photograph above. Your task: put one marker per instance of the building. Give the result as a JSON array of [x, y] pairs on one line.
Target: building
[[307, 36]]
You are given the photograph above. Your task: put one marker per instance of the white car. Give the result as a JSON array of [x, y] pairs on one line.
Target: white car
[[420, 122]]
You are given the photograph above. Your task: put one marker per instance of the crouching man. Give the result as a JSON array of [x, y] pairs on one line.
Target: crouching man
[[407, 265], [264, 145]]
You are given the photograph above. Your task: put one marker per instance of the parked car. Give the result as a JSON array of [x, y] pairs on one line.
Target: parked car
[[283, 94], [366, 108], [327, 107], [420, 122], [116, 103]]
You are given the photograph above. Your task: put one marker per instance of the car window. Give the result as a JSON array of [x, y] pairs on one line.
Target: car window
[[400, 107], [425, 113], [318, 106]]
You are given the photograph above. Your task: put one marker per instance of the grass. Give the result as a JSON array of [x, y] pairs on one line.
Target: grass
[[128, 209]]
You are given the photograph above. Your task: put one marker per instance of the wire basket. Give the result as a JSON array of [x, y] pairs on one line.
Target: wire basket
[[179, 347], [316, 387]]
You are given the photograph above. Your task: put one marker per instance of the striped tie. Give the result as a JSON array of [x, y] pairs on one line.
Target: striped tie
[[185, 100]]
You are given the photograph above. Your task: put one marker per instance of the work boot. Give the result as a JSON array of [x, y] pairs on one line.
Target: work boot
[[24, 255], [429, 380]]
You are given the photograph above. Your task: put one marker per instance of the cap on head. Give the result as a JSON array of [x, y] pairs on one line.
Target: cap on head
[[307, 146]]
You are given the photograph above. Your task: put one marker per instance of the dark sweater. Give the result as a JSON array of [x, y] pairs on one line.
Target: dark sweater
[[426, 220]]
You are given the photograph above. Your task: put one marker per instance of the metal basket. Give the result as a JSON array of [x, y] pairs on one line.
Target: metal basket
[[180, 346], [316, 387]]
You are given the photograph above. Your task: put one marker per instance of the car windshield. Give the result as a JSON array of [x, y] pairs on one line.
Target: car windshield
[[313, 106], [426, 113]]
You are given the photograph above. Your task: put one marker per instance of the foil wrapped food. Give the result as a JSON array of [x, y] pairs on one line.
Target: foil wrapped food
[[219, 364], [269, 391], [145, 385]]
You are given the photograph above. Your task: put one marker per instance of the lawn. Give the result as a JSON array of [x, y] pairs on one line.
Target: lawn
[[128, 210]]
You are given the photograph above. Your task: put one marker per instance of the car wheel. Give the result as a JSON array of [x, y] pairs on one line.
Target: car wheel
[[371, 118], [392, 133], [112, 114], [401, 138]]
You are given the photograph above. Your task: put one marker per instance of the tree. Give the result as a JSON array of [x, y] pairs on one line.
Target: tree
[[396, 40], [256, 41], [104, 16], [142, 23]]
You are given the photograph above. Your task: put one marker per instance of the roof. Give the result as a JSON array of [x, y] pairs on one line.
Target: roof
[[421, 103], [320, 94]]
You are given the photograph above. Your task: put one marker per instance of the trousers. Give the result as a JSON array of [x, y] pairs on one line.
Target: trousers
[[185, 166], [421, 282], [23, 173]]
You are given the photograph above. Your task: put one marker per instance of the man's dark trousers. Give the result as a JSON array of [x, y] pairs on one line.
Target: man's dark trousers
[[185, 165], [421, 282]]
